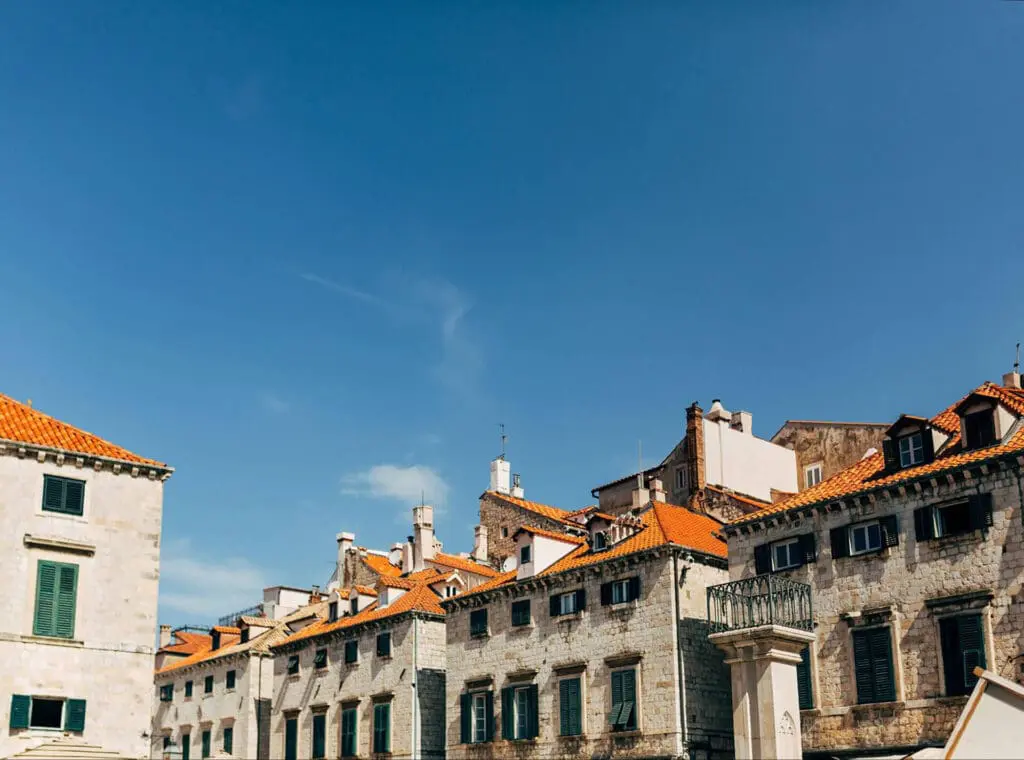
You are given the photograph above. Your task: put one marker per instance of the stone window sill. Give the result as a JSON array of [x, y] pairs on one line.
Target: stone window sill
[[571, 617], [53, 641], [898, 704], [484, 635], [519, 628], [626, 734]]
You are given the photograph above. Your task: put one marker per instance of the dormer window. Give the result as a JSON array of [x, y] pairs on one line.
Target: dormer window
[[911, 450], [980, 429], [524, 554], [600, 540]]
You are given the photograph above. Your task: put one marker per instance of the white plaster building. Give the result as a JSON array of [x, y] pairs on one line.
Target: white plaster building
[[79, 557]]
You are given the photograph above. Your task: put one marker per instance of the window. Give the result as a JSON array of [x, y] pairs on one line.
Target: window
[[620, 591], [63, 495], [319, 739], [332, 612], [504, 532], [348, 732], [215, 639], [812, 475], [229, 681], [167, 741], [956, 518], [229, 739], [291, 738], [188, 690], [980, 429], [865, 537], [293, 664], [450, 591], [56, 592], [953, 519], [208, 685], [805, 693], [353, 605], [478, 623], [524, 554], [320, 659], [206, 744], [963, 650], [244, 637], [623, 714], [600, 540], [786, 554], [167, 692], [872, 665], [477, 717], [351, 651], [680, 478], [186, 746], [519, 712], [521, 612], [382, 727], [570, 708], [384, 644], [911, 450], [38, 712], [569, 603]]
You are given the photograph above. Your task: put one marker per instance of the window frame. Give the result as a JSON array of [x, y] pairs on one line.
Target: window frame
[[525, 554], [564, 712], [817, 468], [381, 708], [208, 684], [320, 659], [59, 621], [621, 591], [872, 636], [519, 605], [939, 519], [230, 679], [384, 636], [478, 623], [353, 645], [794, 554], [915, 454], [567, 604], [968, 680], [353, 711], [332, 611], [62, 717], [521, 712], [866, 527], [632, 722], [970, 424], [188, 689], [167, 692], [478, 717], [292, 668], [62, 508]]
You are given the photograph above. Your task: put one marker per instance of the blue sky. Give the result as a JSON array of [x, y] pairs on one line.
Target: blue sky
[[312, 256]]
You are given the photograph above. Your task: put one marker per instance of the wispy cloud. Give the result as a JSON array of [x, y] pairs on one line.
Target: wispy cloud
[[274, 404], [204, 589], [395, 482], [350, 292]]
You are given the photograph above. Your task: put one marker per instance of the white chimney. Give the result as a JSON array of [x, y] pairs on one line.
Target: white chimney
[[718, 412], [345, 541], [500, 470], [480, 543], [1011, 380], [165, 636], [517, 489], [640, 497], [657, 490], [395, 555], [423, 535], [407, 556], [742, 422]]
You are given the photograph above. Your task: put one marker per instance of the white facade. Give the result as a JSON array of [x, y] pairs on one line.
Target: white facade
[[737, 460], [114, 548]]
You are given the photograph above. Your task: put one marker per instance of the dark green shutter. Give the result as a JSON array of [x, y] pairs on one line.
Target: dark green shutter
[[53, 494], [188, 689], [634, 588], [890, 455], [384, 645], [21, 706], [972, 646], [521, 612], [862, 667], [927, 445], [890, 530], [508, 730], [613, 717], [763, 559], [555, 605], [229, 739], [808, 549], [466, 718], [351, 650], [881, 654], [206, 744], [186, 747], [629, 708], [291, 739], [981, 511], [229, 680], [348, 732], [840, 542], [532, 724], [46, 598], [569, 707], [319, 736], [489, 715], [67, 589], [320, 658], [382, 727], [563, 707], [804, 690], [63, 495], [581, 600], [606, 594], [924, 524], [949, 635]]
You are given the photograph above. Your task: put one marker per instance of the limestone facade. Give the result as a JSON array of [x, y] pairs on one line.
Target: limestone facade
[[503, 515], [827, 447]]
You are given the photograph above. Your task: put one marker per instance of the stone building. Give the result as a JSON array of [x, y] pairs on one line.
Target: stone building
[[825, 448], [915, 560], [212, 694], [594, 644], [79, 558]]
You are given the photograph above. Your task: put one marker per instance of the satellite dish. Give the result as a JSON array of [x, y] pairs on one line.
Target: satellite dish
[[509, 563]]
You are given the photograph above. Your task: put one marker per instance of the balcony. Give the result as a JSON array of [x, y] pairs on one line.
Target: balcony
[[758, 601]]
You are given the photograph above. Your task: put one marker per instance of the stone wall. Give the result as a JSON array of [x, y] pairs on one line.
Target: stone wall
[[836, 445], [890, 588], [497, 514], [593, 643], [109, 660]]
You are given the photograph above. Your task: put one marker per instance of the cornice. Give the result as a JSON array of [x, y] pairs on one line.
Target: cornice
[[63, 457]]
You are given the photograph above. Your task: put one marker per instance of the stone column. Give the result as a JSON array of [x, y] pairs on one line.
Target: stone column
[[765, 703]]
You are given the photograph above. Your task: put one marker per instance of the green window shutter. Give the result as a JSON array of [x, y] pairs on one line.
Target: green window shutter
[[63, 495], [881, 655], [972, 646], [616, 697], [188, 689], [46, 598], [319, 736], [21, 705], [186, 747], [863, 668], [465, 718], [206, 744], [320, 659], [348, 732], [952, 655], [382, 727], [229, 680], [53, 494], [569, 707], [627, 719], [67, 590], [924, 523], [291, 739], [351, 651], [208, 685], [74, 496], [508, 729], [489, 714], [229, 739], [74, 715], [804, 690], [634, 588], [532, 724]]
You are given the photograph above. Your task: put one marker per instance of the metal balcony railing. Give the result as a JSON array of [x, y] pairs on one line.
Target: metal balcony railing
[[254, 611], [761, 600]]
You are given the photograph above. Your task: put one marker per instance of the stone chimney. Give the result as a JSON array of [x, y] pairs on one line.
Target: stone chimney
[[641, 495], [718, 412], [165, 636], [500, 469], [407, 555], [395, 555], [657, 490], [695, 472], [423, 536], [345, 541], [742, 422], [480, 543], [1011, 379], [517, 489]]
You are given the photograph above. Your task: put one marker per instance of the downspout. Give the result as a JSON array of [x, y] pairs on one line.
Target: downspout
[[680, 668], [415, 685], [259, 707]]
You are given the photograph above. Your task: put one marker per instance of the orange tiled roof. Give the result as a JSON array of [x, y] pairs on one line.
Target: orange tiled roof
[[429, 574], [228, 629], [365, 590], [869, 473], [563, 537], [23, 424], [188, 643], [392, 582], [552, 513], [420, 598], [381, 565], [461, 563]]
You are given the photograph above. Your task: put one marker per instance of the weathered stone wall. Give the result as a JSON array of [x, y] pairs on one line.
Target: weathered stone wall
[[115, 614], [594, 643], [901, 579], [837, 445], [360, 683], [496, 515], [357, 572]]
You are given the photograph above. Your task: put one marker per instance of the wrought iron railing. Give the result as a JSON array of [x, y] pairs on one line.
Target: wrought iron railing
[[254, 611], [761, 600]]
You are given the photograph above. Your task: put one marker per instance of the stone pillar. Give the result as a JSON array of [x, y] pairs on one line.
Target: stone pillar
[[765, 703], [695, 475]]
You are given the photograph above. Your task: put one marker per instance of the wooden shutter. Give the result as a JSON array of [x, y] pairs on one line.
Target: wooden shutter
[[291, 739], [952, 656], [206, 745], [564, 720], [924, 523], [46, 599], [981, 511], [890, 530], [890, 454], [634, 588], [67, 589], [555, 605], [53, 494], [613, 717], [532, 727], [840, 542], [229, 739], [348, 732], [927, 444], [478, 622], [804, 690], [881, 655], [606, 594], [74, 496], [862, 668], [466, 718], [21, 706], [74, 715], [230, 678], [319, 736], [808, 548], [972, 646], [384, 645], [186, 746], [489, 715], [581, 600], [763, 559], [508, 729], [629, 707]]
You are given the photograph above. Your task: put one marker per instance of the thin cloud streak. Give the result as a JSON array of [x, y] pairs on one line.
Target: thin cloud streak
[[206, 589]]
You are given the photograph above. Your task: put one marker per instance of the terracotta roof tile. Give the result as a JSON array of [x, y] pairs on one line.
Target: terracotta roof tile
[[381, 565], [365, 590], [461, 563], [188, 643], [869, 473], [228, 629], [552, 513], [23, 424], [563, 537]]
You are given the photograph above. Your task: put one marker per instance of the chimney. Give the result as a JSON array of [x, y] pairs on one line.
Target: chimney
[[165, 636], [718, 412], [695, 474], [423, 535], [657, 489], [1011, 379], [641, 496], [345, 541], [517, 489], [742, 422], [407, 555], [395, 555], [500, 469], [314, 595], [480, 543]]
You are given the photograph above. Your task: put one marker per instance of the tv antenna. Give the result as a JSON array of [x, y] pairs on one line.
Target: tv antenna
[[504, 439]]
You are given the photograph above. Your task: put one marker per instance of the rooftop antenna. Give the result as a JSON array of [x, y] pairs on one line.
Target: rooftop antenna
[[504, 439], [1016, 363], [640, 464]]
